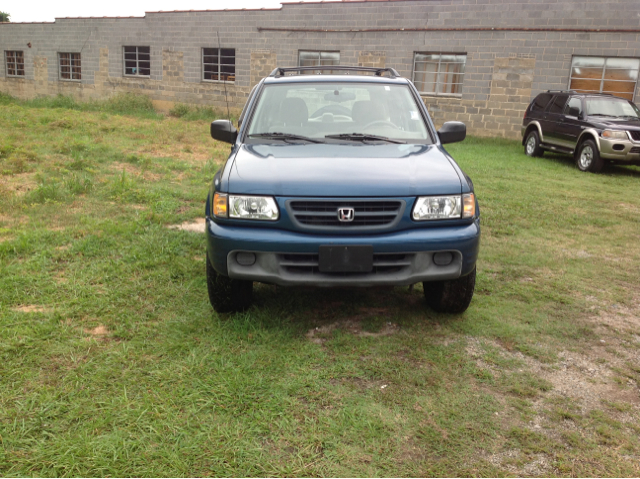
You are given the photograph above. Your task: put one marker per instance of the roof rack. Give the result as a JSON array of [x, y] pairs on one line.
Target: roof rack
[[280, 72], [561, 91]]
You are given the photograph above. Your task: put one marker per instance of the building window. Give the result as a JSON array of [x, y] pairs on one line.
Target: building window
[[219, 64], [314, 59], [137, 61], [15, 63], [617, 76], [439, 73], [69, 66]]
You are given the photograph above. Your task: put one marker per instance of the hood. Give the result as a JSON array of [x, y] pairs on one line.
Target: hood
[[615, 123], [355, 170]]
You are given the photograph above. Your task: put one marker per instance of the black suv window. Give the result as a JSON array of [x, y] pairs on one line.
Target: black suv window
[[541, 102], [574, 107], [558, 104]]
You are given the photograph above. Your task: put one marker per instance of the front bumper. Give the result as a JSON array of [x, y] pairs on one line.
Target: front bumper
[[289, 258], [620, 150]]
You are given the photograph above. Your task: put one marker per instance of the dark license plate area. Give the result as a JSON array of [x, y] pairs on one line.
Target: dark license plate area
[[346, 259]]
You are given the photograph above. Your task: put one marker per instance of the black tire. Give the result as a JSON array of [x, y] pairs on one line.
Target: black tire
[[227, 295], [532, 145], [588, 157], [453, 296]]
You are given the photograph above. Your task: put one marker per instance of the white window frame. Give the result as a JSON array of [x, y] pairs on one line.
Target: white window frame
[[71, 65], [437, 73], [15, 63], [137, 60], [319, 52], [604, 72], [219, 65]]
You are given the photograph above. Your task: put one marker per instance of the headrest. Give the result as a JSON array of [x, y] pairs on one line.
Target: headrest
[[294, 112], [367, 112]]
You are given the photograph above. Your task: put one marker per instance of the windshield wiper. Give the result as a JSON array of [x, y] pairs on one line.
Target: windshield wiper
[[363, 137], [276, 135], [602, 114], [629, 117]]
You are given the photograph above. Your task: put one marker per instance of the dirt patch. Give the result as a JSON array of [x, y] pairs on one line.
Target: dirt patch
[[134, 170], [99, 333], [584, 379], [197, 226], [30, 308], [19, 183], [620, 318], [320, 334]]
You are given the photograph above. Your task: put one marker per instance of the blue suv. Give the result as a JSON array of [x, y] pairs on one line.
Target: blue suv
[[340, 180]]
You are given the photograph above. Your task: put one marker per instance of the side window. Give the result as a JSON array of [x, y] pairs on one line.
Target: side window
[[541, 102], [558, 104], [574, 107]]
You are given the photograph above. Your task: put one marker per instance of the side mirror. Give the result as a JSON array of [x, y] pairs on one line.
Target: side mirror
[[452, 131], [223, 130], [574, 111]]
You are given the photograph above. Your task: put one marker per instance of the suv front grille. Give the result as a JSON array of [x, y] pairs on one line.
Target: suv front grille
[[635, 134], [383, 263], [324, 213]]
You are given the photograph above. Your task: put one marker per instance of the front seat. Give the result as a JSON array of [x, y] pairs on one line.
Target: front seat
[[293, 112], [366, 111]]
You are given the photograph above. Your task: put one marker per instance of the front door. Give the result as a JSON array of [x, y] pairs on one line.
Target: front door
[[570, 124]]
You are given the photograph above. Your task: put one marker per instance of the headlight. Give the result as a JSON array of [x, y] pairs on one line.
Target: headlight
[[444, 207], [253, 208], [614, 134]]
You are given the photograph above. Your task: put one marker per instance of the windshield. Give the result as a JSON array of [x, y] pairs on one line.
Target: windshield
[[611, 107], [318, 110]]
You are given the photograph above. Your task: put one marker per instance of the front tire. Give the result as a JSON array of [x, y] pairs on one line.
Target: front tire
[[588, 157], [453, 296], [227, 295], [532, 145]]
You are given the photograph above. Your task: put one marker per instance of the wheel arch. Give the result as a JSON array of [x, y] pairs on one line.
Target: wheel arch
[[531, 126], [588, 134]]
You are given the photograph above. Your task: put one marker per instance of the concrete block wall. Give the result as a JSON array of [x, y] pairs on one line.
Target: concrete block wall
[[507, 63]]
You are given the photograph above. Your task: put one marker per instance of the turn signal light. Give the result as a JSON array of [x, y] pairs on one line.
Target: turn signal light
[[220, 205], [468, 205]]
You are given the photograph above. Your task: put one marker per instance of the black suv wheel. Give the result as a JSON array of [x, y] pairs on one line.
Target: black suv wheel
[[227, 295], [588, 157], [532, 144], [453, 296]]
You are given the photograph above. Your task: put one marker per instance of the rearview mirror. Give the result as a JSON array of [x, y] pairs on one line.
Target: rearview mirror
[[452, 131], [337, 97], [223, 130]]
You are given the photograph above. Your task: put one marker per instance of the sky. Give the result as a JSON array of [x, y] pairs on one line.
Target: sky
[[47, 10]]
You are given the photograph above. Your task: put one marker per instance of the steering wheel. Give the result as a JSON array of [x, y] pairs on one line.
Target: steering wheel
[[381, 123]]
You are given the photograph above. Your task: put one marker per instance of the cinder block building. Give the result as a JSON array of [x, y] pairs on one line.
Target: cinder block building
[[477, 61]]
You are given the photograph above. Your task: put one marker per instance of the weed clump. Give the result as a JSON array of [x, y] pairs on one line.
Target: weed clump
[[195, 113], [179, 110]]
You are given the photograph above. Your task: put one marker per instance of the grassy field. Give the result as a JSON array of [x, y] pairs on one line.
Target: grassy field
[[113, 363]]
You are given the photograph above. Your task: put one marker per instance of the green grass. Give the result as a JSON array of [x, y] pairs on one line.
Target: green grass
[[113, 362]]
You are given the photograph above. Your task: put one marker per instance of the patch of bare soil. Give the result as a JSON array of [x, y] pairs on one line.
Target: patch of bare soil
[[353, 326], [197, 226], [134, 170], [99, 333], [19, 183], [198, 156], [30, 308], [586, 379]]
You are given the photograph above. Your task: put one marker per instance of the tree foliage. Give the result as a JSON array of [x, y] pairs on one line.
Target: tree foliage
[[4, 17]]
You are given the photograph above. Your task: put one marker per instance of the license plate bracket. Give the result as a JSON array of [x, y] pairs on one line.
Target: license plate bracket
[[346, 259]]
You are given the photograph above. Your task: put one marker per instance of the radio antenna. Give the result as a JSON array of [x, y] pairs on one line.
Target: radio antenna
[[224, 82]]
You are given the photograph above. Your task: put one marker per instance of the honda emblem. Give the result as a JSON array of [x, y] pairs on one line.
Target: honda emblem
[[346, 214]]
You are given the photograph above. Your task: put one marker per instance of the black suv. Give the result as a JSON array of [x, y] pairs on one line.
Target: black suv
[[592, 127]]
